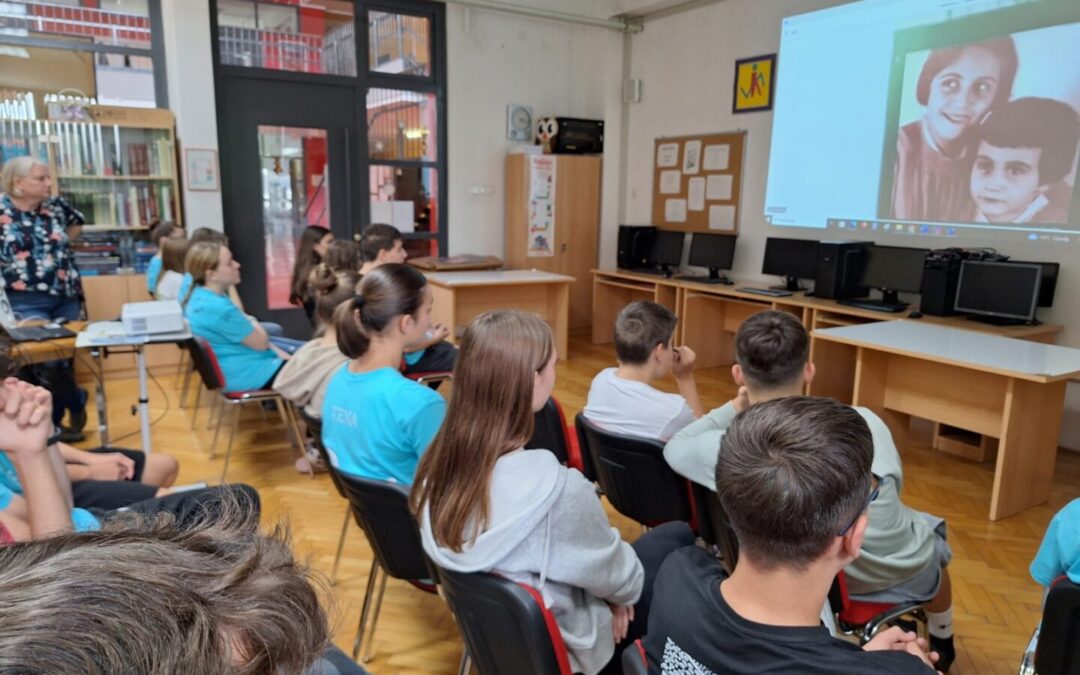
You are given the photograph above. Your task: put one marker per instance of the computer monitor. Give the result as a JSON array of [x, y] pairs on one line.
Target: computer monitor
[[893, 269], [998, 292], [1048, 284], [667, 250], [715, 251], [792, 259]]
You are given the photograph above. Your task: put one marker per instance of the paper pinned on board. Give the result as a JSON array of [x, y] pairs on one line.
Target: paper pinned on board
[[691, 162], [716, 157], [667, 155], [722, 217], [695, 194], [719, 186], [675, 211], [670, 182]]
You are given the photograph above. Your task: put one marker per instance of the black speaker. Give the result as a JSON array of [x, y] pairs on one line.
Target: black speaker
[[839, 268], [635, 246], [940, 277]]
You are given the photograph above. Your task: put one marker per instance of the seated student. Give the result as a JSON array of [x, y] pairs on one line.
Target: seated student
[[377, 422], [622, 399], [486, 504], [381, 244], [1025, 149], [904, 553], [172, 254], [1059, 553], [794, 476], [305, 377], [159, 235], [143, 595], [248, 358], [314, 243], [342, 255]]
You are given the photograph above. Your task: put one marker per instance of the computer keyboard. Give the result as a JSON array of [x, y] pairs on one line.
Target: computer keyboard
[[875, 305], [652, 271], [772, 292], [702, 279]]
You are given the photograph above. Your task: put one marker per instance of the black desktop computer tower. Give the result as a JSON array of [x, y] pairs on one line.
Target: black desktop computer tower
[[940, 278], [839, 268], [635, 246]]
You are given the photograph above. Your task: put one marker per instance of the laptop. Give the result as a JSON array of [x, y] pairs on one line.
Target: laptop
[[17, 333]]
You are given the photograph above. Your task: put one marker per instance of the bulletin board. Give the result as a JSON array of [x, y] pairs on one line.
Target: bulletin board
[[697, 182]]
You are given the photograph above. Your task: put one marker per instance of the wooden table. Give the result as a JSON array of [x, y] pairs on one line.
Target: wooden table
[[462, 296], [1010, 389]]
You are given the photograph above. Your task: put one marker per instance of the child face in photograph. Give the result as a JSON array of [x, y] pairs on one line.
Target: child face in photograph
[[1004, 181], [961, 93]]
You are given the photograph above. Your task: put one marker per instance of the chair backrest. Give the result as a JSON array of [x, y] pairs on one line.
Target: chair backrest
[[634, 476], [634, 661], [1058, 652], [713, 524], [314, 425], [382, 510], [206, 363], [505, 625], [551, 433], [588, 463]]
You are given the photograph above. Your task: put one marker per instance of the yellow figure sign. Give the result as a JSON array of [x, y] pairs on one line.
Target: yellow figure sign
[[754, 81]]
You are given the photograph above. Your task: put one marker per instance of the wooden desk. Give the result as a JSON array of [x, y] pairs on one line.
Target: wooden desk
[[461, 296], [1010, 389], [27, 353]]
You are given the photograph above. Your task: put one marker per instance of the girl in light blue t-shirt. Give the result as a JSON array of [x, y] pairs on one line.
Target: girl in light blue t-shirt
[[376, 422]]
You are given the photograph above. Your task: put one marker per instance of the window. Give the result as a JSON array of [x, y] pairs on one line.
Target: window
[[288, 36]]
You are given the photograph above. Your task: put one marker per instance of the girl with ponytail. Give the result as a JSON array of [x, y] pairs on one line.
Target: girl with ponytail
[[376, 422]]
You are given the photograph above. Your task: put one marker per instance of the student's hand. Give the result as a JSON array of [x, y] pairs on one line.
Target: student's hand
[[682, 361], [741, 402], [895, 638], [25, 417], [438, 332], [620, 620], [111, 466]]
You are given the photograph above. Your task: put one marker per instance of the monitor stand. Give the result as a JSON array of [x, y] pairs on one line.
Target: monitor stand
[[718, 277], [1002, 320], [790, 284], [665, 269]]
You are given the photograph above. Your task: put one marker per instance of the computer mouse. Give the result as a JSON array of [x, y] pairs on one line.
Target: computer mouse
[[914, 315]]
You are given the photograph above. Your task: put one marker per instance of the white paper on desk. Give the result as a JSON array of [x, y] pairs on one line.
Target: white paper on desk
[[670, 182], [719, 186], [110, 333], [721, 217], [667, 154], [716, 157], [691, 159], [675, 211], [695, 194]]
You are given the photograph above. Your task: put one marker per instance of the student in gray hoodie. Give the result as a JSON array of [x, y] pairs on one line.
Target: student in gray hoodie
[[487, 505]]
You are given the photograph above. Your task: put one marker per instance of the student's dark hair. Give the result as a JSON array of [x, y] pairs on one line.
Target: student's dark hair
[[387, 292], [1003, 48], [377, 237], [173, 252], [641, 326], [7, 358], [343, 255], [791, 473], [772, 348], [1031, 122], [330, 289], [306, 258], [206, 234], [162, 230]]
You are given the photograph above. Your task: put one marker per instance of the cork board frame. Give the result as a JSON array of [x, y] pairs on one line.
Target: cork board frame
[[697, 182]]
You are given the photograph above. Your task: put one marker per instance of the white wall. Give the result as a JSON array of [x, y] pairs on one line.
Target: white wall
[[190, 74], [686, 62]]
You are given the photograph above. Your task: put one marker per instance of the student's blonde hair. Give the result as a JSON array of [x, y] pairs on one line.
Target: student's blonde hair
[[18, 167], [201, 258], [489, 415]]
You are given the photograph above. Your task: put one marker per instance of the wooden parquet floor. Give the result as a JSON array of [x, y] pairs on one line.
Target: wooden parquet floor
[[996, 602]]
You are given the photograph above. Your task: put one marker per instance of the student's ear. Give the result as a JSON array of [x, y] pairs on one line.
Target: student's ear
[[406, 322], [737, 376], [853, 538], [657, 354], [809, 370]]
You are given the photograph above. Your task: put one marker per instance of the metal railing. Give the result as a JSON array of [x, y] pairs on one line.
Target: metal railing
[[104, 26]]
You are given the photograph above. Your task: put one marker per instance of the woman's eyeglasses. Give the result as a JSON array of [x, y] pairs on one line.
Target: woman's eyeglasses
[[876, 488]]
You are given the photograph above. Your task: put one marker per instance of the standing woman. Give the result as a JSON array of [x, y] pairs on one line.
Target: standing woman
[[39, 271], [313, 245], [485, 504]]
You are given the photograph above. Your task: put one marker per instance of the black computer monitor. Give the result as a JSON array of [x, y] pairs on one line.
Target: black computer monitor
[[792, 259], [1048, 284], [667, 250], [998, 292], [715, 251], [893, 269]]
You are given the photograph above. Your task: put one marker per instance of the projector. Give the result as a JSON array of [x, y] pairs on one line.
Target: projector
[[160, 316]]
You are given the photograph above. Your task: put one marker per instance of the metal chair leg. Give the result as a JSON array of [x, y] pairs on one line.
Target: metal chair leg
[[289, 417], [370, 650], [187, 383], [232, 437], [217, 404], [217, 431], [466, 663], [341, 544], [366, 608]]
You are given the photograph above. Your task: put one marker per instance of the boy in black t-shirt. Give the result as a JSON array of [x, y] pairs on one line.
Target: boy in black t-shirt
[[794, 477]]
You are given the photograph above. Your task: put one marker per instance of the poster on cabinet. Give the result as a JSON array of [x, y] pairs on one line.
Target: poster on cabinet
[[541, 222]]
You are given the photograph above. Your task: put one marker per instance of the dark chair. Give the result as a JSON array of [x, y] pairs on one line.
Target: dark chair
[[1055, 646], [206, 364], [634, 476], [382, 510], [505, 625], [713, 525], [864, 619], [634, 661], [314, 426], [588, 467], [551, 433]]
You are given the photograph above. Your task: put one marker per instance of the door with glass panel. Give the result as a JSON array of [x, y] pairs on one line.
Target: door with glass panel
[[287, 163]]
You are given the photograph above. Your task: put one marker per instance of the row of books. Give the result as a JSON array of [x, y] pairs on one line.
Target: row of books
[[90, 149], [99, 253], [130, 206]]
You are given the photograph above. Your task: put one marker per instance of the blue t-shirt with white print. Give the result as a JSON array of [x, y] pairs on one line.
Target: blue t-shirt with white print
[[83, 520], [1059, 552]]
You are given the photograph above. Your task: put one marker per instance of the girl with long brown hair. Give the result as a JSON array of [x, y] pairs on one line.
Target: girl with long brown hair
[[171, 273], [313, 245], [487, 505]]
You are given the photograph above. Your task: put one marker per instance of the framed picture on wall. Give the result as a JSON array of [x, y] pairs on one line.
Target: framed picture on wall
[[202, 170], [755, 79]]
